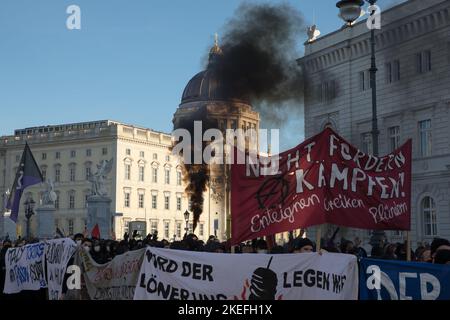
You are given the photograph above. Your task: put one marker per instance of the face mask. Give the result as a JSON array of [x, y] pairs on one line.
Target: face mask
[[97, 248], [87, 248], [79, 242]]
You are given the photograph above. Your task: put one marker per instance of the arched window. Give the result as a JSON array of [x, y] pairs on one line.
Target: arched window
[[428, 210]]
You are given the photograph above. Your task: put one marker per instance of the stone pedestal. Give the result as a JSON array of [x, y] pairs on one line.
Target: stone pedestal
[[9, 227], [46, 222], [99, 212]]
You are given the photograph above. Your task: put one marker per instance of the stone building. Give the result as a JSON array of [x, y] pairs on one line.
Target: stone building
[[413, 91]]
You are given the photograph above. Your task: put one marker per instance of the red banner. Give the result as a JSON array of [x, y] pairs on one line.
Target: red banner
[[323, 180]]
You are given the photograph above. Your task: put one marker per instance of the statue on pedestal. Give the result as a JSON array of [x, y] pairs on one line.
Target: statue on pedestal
[[98, 179], [49, 197]]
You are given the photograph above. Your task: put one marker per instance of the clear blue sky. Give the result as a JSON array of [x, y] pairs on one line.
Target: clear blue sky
[[129, 62]]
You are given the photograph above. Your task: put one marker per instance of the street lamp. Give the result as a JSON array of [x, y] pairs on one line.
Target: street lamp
[[186, 218], [29, 211], [350, 10]]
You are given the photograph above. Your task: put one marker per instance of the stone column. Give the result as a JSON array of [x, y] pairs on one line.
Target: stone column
[[46, 222], [99, 212]]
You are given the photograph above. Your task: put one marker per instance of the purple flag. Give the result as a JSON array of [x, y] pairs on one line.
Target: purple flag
[[28, 174]]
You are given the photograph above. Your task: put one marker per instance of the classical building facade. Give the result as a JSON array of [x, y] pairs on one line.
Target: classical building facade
[[145, 183], [413, 90]]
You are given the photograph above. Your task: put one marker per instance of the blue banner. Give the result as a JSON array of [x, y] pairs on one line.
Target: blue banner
[[399, 280]]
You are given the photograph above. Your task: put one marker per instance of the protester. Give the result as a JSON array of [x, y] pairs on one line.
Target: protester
[[261, 246], [303, 245], [442, 257], [439, 244], [359, 251], [347, 247]]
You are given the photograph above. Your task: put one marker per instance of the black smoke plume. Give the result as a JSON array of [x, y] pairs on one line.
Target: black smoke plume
[[259, 59], [257, 64], [195, 175]]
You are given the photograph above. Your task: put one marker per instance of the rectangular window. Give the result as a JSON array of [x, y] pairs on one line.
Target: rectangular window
[[141, 174], [429, 216], [71, 201], [70, 224], [44, 156], [166, 229], [154, 226], [58, 155], [394, 138], [155, 175], [73, 154], [362, 82], [127, 172], [88, 172], [425, 138], [86, 197], [72, 174], [142, 154], [423, 61], [167, 158], [57, 175], [141, 201], [154, 202], [155, 156], [201, 230], [44, 174], [88, 152], [179, 178], [127, 200], [396, 70], [388, 68], [167, 176], [366, 142], [326, 93], [179, 203], [57, 201], [166, 202], [178, 231], [104, 151], [128, 151]]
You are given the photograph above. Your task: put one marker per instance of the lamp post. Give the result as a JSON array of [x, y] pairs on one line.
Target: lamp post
[[29, 212], [350, 10], [186, 218]]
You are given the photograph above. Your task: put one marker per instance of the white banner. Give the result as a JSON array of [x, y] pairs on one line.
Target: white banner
[[115, 280], [25, 268], [184, 275], [57, 254]]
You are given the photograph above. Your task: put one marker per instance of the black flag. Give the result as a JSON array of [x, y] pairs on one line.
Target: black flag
[[28, 174]]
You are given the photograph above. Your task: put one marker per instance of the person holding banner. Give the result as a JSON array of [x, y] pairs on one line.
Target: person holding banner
[[303, 246]]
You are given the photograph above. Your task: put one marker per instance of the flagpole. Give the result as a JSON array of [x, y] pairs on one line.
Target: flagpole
[[408, 246], [318, 238]]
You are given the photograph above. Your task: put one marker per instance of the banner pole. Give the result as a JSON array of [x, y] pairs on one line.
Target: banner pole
[[318, 237], [408, 246]]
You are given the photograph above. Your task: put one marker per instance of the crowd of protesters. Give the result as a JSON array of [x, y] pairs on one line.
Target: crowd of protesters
[[103, 251]]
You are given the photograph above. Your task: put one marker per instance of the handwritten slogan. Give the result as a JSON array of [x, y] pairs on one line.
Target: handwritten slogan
[[323, 180], [25, 268]]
